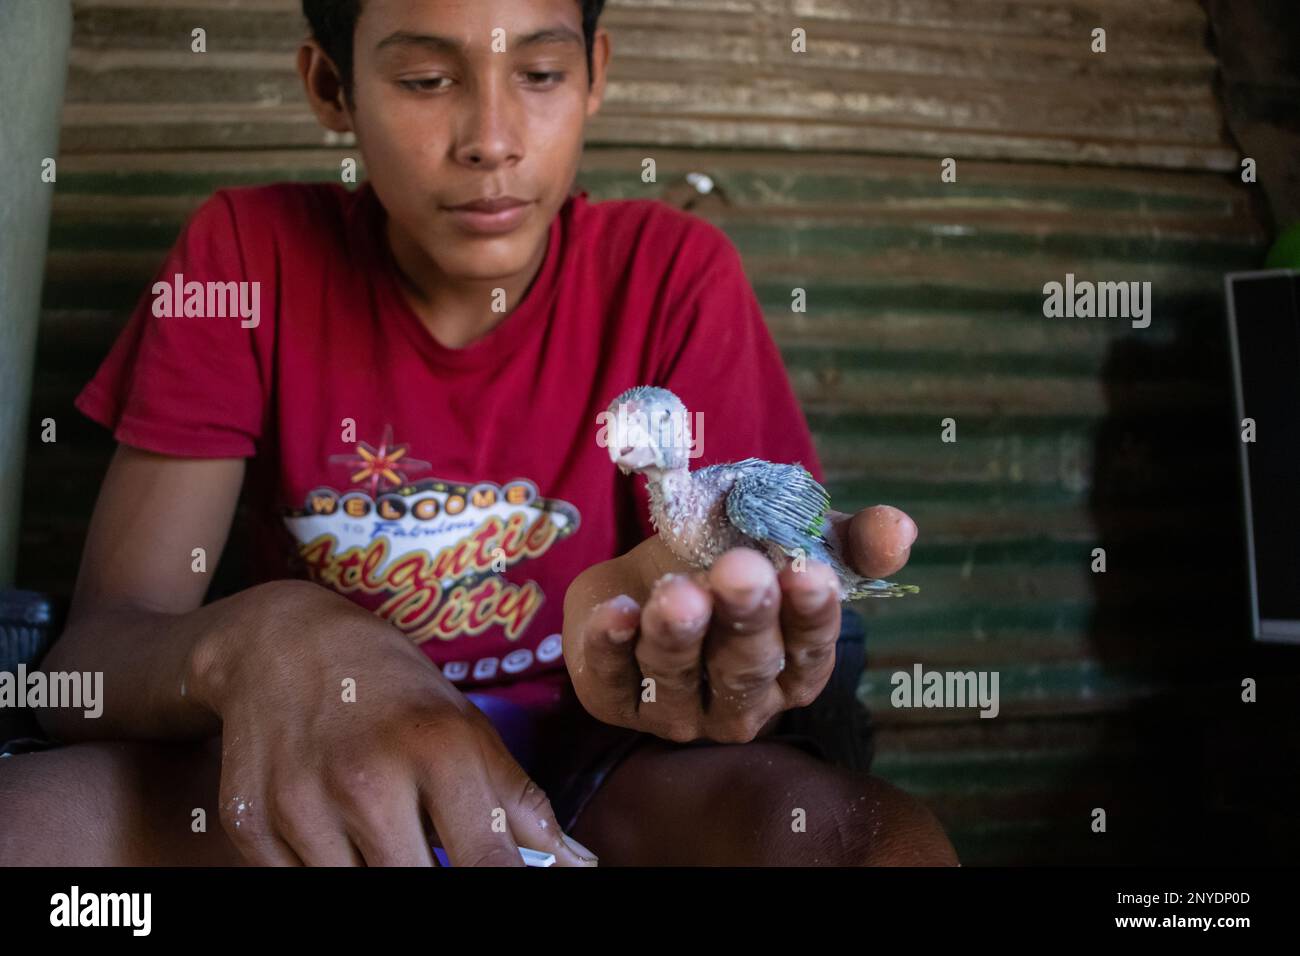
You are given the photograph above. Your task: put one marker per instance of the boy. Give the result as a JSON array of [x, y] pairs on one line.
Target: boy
[[429, 461]]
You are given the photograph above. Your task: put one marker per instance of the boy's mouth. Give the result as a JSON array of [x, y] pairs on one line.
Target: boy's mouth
[[491, 216]]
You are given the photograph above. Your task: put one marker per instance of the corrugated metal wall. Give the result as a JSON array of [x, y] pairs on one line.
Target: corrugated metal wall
[[925, 303]]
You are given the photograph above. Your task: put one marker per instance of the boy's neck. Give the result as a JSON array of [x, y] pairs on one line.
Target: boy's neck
[[456, 312]]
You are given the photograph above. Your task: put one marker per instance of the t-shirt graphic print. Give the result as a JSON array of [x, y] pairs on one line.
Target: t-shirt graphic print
[[436, 558]]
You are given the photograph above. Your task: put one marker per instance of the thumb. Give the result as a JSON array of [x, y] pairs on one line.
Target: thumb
[[875, 542]]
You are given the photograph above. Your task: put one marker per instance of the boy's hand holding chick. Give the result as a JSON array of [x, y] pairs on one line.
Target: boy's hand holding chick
[[655, 645]]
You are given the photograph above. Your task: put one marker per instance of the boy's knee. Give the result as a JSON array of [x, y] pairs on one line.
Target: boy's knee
[[105, 803], [877, 824], [805, 812], [49, 799]]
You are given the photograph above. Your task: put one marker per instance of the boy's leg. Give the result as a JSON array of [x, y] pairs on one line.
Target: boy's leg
[[132, 804], [113, 804], [761, 803]]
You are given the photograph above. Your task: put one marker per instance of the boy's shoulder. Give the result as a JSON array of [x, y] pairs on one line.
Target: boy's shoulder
[[650, 228], [288, 196], [286, 204], [270, 232]]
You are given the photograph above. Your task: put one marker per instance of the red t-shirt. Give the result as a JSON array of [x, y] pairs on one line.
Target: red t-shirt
[[455, 492]]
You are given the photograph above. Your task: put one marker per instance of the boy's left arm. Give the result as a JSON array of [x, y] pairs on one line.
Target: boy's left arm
[[750, 642]]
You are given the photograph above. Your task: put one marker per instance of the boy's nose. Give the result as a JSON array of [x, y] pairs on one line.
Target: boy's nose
[[487, 136]]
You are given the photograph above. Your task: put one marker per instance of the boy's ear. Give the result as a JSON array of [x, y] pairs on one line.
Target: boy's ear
[[324, 86], [600, 53]]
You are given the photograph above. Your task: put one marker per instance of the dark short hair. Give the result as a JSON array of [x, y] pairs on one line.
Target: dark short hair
[[334, 22]]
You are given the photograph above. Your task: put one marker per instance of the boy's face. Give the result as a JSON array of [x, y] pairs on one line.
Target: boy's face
[[448, 113]]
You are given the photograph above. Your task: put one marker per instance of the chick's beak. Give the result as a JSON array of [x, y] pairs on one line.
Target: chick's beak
[[631, 458]]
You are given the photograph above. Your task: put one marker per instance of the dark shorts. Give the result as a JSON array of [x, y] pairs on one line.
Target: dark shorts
[[569, 753]]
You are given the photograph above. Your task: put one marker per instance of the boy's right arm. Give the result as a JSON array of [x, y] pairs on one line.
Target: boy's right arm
[[309, 772], [136, 615]]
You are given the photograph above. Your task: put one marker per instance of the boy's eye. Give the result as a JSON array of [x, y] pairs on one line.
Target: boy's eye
[[541, 77], [423, 85], [433, 84]]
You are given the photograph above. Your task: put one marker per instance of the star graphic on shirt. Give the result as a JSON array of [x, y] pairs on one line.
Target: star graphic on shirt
[[380, 464]]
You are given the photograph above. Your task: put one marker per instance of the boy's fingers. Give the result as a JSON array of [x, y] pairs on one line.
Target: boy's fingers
[[668, 650], [532, 820], [266, 849], [245, 816], [534, 826], [810, 623], [307, 813], [745, 649], [465, 810], [316, 833], [876, 541], [608, 670], [391, 833]]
